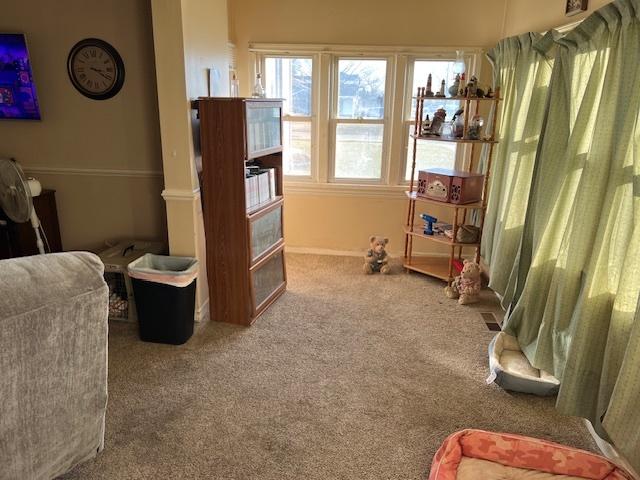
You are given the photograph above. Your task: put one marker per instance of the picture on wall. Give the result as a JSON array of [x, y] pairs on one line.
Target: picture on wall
[[18, 97], [575, 6]]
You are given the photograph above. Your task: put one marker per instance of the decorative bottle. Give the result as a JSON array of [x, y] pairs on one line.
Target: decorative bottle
[[258, 89], [235, 86]]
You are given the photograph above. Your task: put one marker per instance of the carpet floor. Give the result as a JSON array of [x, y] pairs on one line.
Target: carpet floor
[[347, 376]]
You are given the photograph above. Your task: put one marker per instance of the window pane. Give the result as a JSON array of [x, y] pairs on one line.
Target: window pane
[[297, 148], [361, 85], [358, 151], [430, 155], [439, 70], [290, 78]]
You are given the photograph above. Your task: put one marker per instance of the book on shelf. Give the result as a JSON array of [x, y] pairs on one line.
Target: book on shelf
[[260, 186]]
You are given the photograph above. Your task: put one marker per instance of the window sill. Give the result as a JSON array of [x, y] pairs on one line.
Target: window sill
[[345, 190]]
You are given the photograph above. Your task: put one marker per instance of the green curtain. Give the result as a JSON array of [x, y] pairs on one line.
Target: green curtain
[[523, 75], [575, 305]]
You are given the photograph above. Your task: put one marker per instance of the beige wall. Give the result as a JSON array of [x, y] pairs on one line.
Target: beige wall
[[116, 140], [363, 22], [190, 36], [541, 15], [345, 222]]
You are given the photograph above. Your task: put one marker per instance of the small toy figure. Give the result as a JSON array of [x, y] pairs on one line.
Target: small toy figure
[[453, 89], [438, 120], [466, 286], [471, 90], [440, 93], [426, 127], [489, 93], [458, 123], [428, 223], [475, 128], [377, 258], [428, 92]]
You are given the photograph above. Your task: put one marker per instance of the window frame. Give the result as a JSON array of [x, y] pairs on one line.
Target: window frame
[[462, 149], [311, 119], [334, 121], [396, 129]]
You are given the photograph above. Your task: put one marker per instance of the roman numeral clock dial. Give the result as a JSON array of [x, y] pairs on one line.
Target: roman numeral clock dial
[[95, 69]]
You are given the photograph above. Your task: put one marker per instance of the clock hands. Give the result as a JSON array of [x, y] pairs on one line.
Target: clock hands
[[100, 72]]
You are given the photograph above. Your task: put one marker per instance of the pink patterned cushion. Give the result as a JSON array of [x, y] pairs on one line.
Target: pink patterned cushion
[[521, 452]]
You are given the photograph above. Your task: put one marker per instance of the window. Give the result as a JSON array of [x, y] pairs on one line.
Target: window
[[358, 120], [349, 112], [430, 154], [291, 79]]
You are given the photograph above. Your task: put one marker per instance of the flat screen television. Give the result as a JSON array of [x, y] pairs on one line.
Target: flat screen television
[[18, 97]]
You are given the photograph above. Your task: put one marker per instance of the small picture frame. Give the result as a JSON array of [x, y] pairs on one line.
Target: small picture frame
[[575, 6]]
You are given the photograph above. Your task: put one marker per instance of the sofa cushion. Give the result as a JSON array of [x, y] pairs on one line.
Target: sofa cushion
[[53, 363]]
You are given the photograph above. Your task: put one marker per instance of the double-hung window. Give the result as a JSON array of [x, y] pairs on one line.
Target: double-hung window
[[291, 78], [358, 118], [430, 154], [348, 114]]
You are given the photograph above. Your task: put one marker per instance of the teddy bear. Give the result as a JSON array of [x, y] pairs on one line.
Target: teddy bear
[[377, 258], [466, 286]]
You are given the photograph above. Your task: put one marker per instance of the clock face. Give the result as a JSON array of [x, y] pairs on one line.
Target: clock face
[[95, 69]]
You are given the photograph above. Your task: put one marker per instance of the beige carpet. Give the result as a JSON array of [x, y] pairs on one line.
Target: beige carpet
[[346, 377]]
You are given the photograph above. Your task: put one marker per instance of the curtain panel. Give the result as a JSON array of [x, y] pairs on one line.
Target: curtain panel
[[522, 72], [574, 281]]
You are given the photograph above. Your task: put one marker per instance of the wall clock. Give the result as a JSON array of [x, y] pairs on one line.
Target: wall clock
[[95, 69]]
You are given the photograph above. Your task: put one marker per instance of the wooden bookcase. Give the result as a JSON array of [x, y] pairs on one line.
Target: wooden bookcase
[[442, 267], [244, 246]]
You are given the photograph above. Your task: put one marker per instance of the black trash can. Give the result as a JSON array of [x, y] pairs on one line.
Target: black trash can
[[164, 289]]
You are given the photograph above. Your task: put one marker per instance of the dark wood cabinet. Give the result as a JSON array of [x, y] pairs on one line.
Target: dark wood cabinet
[[244, 244], [19, 239]]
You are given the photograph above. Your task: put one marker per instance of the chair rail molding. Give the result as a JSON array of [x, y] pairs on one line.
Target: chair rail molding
[[94, 172], [174, 194]]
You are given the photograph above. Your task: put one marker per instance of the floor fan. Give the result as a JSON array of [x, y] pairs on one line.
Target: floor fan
[[16, 194]]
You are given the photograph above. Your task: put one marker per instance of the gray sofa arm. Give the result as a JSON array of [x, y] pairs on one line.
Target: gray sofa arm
[[53, 363]]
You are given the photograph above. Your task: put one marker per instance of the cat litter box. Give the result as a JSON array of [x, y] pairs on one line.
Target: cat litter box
[[510, 369]]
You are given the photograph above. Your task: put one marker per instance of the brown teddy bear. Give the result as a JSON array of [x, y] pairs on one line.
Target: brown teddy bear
[[377, 258], [466, 286]]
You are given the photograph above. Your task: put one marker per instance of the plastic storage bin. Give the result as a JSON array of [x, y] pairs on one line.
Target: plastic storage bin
[[165, 291]]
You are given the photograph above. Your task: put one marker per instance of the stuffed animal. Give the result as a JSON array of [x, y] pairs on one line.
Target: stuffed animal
[[466, 286], [377, 258]]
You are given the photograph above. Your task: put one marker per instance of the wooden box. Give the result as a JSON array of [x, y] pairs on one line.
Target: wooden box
[[450, 186]]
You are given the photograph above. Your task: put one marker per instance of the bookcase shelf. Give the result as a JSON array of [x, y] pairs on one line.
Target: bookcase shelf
[[435, 138]]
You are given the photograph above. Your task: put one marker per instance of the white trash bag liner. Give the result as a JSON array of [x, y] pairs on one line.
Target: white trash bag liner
[[168, 270], [510, 369]]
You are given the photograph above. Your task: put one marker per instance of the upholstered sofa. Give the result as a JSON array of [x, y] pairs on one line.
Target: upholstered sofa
[[53, 363]]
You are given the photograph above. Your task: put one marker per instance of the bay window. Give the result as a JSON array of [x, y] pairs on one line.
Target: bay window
[[349, 112]]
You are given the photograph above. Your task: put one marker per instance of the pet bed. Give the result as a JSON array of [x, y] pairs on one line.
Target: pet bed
[[481, 455], [510, 369]]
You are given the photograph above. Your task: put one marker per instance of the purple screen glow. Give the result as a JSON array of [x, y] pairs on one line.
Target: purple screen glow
[[18, 97]]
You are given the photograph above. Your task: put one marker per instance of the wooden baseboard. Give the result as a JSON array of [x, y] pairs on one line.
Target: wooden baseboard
[[202, 312], [351, 253]]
